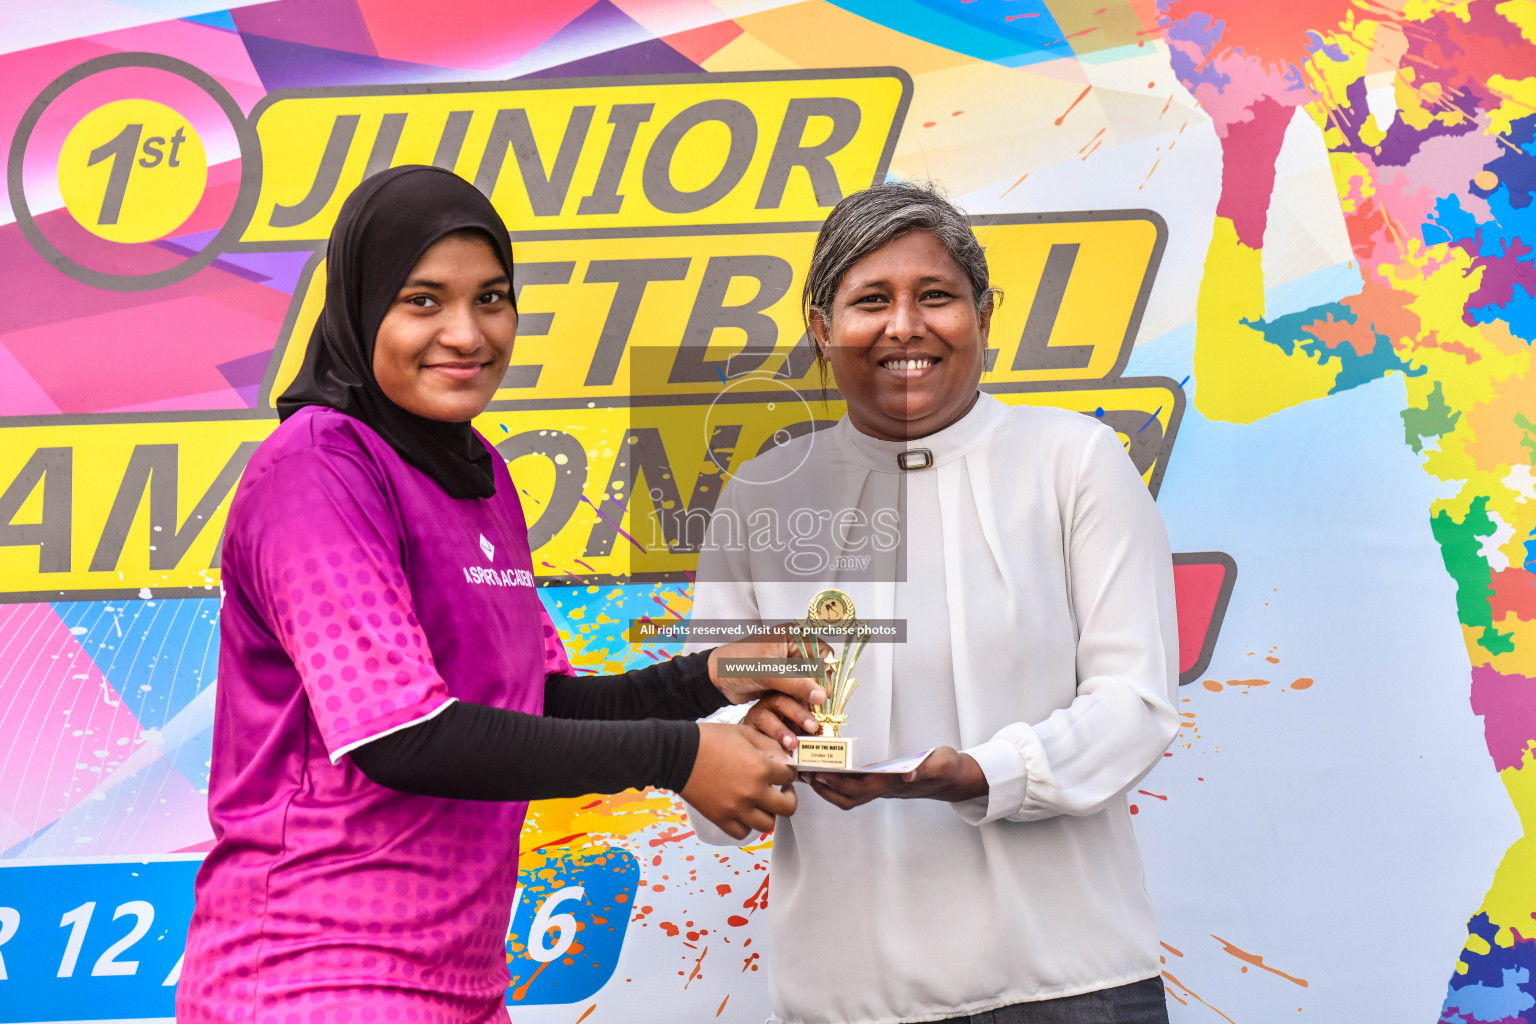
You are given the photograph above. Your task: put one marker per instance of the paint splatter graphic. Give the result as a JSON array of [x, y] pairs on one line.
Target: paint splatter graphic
[[1436, 199]]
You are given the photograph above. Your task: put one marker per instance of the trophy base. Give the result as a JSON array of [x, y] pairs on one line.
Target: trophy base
[[824, 752]]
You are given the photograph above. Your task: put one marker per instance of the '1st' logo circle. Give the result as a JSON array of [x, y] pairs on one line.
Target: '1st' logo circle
[[158, 164], [132, 171]]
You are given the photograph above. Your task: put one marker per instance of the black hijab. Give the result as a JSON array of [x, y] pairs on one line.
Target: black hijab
[[384, 227]]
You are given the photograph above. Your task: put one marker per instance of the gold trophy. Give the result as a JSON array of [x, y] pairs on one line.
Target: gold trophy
[[828, 748]]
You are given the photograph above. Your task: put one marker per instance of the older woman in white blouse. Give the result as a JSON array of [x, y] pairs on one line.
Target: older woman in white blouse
[[1000, 882]]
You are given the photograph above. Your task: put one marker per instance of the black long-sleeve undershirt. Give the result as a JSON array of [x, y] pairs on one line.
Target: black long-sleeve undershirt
[[598, 734]]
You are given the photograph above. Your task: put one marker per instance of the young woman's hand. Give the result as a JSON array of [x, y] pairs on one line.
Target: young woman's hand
[[946, 774], [740, 780], [782, 719], [775, 642]]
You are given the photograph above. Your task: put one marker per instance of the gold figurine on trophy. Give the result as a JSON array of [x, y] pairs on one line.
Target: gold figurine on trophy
[[831, 611]]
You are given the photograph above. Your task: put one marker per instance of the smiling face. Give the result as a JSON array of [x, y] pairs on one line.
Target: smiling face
[[444, 344], [906, 341]]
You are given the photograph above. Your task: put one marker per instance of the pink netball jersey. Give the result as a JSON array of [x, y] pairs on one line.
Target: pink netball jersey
[[359, 599]]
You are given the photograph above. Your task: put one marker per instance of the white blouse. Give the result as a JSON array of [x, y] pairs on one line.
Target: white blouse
[[1041, 639]]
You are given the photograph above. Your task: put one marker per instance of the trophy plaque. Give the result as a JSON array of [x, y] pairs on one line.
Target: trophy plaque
[[832, 612]]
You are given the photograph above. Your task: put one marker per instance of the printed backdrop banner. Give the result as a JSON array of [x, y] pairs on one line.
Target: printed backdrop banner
[[1285, 250]]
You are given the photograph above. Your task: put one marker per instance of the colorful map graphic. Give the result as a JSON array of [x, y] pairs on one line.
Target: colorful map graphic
[[1436, 198]]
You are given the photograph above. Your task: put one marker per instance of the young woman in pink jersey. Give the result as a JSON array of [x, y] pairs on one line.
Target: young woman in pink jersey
[[391, 692]]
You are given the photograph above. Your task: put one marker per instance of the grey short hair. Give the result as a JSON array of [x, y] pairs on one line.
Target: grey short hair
[[866, 220]]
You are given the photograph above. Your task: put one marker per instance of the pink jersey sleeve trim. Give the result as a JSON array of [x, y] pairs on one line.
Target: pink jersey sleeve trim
[[337, 755]]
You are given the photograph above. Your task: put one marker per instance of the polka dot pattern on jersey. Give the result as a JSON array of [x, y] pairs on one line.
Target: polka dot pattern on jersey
[[358, 646]]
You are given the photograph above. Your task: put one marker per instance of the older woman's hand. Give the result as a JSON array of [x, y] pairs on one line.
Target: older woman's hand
[[946, 774]]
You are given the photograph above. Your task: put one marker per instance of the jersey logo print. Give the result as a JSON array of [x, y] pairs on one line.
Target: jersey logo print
[[492, 576]]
